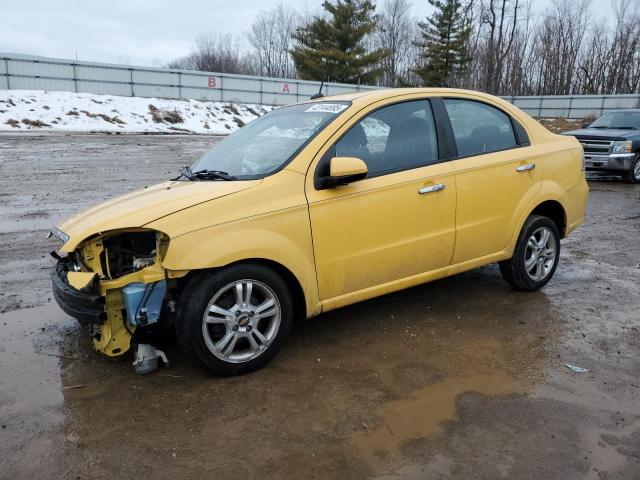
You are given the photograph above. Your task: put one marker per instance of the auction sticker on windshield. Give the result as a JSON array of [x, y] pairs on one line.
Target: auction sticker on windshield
[[327, 107]]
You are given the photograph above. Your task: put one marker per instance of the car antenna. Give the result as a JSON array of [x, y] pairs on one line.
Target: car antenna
[[320, 94]]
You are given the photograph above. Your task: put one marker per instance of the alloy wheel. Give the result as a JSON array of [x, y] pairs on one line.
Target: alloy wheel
[[540, 254], [241, 321]]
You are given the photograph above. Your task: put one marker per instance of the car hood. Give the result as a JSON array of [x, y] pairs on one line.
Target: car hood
[[138, 208], [604, 134]]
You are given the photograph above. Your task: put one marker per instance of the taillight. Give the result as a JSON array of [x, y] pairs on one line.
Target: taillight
[[584, 164]]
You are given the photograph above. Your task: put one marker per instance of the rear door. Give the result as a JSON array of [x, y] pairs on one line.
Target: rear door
[[497, 175]]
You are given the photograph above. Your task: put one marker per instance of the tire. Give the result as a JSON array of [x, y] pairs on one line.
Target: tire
[[518, 271], [633, 175], [236, 338]]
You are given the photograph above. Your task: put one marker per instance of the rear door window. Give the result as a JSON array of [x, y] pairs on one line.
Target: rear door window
[[479, 128]]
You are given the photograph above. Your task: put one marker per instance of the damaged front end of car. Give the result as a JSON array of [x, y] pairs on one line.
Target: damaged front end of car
[[115, 283]]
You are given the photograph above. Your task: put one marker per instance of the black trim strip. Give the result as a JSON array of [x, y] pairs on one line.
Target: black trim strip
[[522, 139], [447, 146]]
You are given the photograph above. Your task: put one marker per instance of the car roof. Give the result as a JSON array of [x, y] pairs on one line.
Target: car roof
[[371, 96]]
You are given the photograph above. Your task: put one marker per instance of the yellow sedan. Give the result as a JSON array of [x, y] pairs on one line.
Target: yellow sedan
[[319, 205]]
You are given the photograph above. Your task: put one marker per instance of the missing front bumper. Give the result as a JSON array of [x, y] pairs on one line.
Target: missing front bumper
[[104, 313], [87, 306]]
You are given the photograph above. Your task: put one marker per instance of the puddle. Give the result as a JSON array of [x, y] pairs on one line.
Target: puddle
[[422, 414], [480, 367], [29, 359], [31, 392]]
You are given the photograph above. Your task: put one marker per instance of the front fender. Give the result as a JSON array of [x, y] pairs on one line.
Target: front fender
[[283, 237]]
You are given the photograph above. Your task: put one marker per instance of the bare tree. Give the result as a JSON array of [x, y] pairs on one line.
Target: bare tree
[[624, 75], [215, 52], [270, 37], [595, 63], [559, 41], [610, 61], [515, 75], [498, 23], [396, 33]]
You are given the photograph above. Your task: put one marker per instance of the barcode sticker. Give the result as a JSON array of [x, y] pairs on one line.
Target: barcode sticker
[[327, 107]]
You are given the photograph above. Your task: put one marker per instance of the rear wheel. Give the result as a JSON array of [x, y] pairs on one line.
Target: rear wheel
[[235, 320], [633, 175], [535, 257]]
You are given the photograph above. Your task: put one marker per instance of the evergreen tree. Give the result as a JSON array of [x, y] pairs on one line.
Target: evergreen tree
[[444, 39], [334, 47]]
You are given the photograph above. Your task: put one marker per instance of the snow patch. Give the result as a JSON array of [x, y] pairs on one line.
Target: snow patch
[[37, 110]]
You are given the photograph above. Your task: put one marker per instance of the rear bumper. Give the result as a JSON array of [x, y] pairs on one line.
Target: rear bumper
[[87, 307], [575, 202], [620, 162]]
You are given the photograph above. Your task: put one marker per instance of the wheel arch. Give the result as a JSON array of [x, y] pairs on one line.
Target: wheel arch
[[300, 301], [295, 287], [553, 210], [550, 207]]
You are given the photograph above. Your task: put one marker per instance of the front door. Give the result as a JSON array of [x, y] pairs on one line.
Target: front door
[[397, 222]]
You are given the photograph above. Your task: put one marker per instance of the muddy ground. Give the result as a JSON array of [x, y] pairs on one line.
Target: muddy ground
[[461, 378]]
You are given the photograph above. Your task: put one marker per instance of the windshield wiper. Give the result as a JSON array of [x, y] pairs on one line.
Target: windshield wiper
[[603, 127], [213, 174], [626, 127], [189, 174], [186, 173]]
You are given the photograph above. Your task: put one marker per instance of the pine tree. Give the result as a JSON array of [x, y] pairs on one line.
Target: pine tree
[[334, 47], [444, 42]]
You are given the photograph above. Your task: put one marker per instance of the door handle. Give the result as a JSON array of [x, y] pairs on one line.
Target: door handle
[[526, 168], [432, 188]]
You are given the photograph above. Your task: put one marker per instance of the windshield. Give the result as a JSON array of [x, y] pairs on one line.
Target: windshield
[[266, 144], [618, 120]]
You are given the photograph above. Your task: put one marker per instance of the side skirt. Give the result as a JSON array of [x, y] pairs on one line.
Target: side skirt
[[401, 284]]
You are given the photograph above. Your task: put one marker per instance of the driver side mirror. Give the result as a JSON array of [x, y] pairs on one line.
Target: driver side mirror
[[344, 170], [586, 124]]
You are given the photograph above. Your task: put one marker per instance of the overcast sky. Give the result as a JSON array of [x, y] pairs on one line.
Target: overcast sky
[[138, 32]]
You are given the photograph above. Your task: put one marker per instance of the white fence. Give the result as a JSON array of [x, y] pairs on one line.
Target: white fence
[[27, 72], [573, 106]]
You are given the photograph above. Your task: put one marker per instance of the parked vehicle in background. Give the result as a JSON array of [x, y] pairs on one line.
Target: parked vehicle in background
[[612, 144], [320, 205]]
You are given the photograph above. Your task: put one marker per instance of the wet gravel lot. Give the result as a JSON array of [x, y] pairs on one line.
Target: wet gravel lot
[[459, 378]]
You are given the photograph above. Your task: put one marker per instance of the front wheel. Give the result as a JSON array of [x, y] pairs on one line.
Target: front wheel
[[234, 321], [633, 175], [535, 257]]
